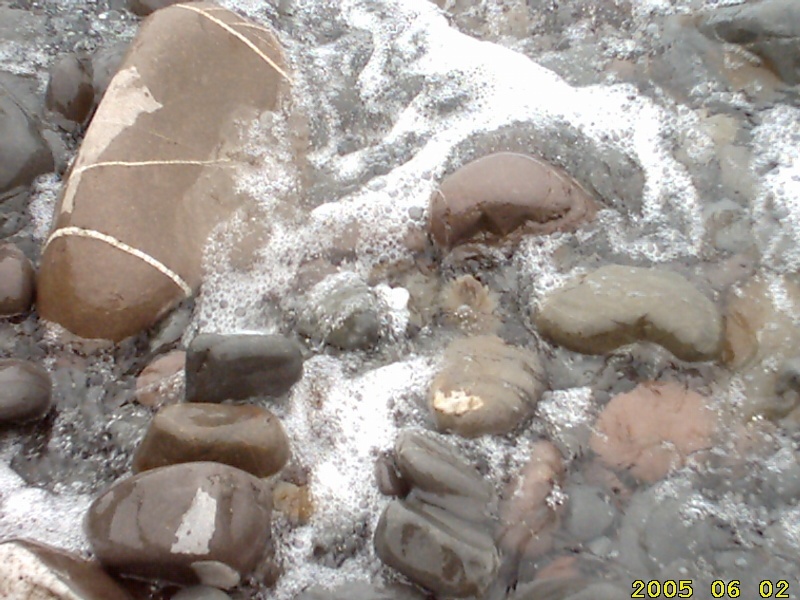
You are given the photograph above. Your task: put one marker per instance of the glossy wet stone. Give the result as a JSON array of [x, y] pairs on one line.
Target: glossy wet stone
[[151, 179], [69, 91], [439, 536], [653, 429], [31, 571], [16, 281], [191, 523], [617, 305], [250, 438], [240, 366], [499, 194], [770, 28], [25, 391], [23, 152], [485, 387]]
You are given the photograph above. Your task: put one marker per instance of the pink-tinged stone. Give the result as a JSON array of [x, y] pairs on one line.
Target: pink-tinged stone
[[653, 429]]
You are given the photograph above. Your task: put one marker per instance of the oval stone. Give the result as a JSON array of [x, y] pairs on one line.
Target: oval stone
[[70, 92], [498, 194], [485, 387], [23, 152], [240, 366], [617, 305], [25, 391], [250, 438], [16, 281], [30, 570], [192, 523], [163, 380], [155, 172]]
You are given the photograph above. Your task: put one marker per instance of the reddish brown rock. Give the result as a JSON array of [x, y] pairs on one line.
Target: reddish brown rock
[[499, 194], [162, 381], [653, 429], [529, 512], [155, 171], [16, 281]]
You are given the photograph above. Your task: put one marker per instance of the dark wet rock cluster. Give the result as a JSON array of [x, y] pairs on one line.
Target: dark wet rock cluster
[[439, 535]]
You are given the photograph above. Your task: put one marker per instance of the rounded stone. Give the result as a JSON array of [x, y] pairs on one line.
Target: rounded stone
[[249, 438], [589, 512], [70, 91], [146, 7], [162, 381], [201, 592], [191, 523], [617, 305], [485, 387], [16, 281], [294, 501], [33, 571], [240, 366], [23, 152], [497, 195], [653, 429], [25, 391]]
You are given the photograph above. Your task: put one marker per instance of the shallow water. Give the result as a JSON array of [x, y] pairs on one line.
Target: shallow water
[[395, 94]]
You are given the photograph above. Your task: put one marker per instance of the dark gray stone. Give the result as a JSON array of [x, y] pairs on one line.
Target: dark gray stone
[[25, 391], [69, 91], [31, 570], [23, 152], [590, 512], [435, 549], [250, 438], [192, 523], [240, 366], [770, 28]]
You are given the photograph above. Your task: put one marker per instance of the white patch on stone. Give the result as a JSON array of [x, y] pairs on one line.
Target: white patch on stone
[[23, 575], [216, 574], [197, 527], [456, 403], [125, 100]]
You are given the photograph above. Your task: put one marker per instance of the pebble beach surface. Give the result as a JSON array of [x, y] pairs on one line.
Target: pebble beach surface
[[399, 299]]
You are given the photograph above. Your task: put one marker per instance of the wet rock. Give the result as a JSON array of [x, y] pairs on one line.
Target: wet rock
[[529, 512], [617, 305], [549, 589], [23, 152], [361, 591], [770, 28], [470, 305], [435, 549], [294, 501], [342, 311], [201, 592], [249, 438], [653, 429], [105, 64], [388, 478], [16, 281], [145, 7], [485, 387], [193, 523], [162, 382], [153, 175], [240, 366], [25, 391], [439, 536], [761, 338], [33, 571], [69, 91], [499, 194]]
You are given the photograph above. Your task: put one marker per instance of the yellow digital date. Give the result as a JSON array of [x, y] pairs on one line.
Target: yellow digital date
[[669, 588]]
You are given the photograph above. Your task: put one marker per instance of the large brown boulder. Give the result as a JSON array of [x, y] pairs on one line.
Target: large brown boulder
[[155, 171]]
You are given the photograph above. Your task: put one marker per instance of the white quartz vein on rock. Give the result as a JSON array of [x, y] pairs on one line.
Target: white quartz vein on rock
[[198, 525]]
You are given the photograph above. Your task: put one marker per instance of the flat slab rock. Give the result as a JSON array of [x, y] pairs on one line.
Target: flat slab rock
[[34, 571], [617, 305], [155, 172], [192, 523], [485, 387], [240, 366]]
